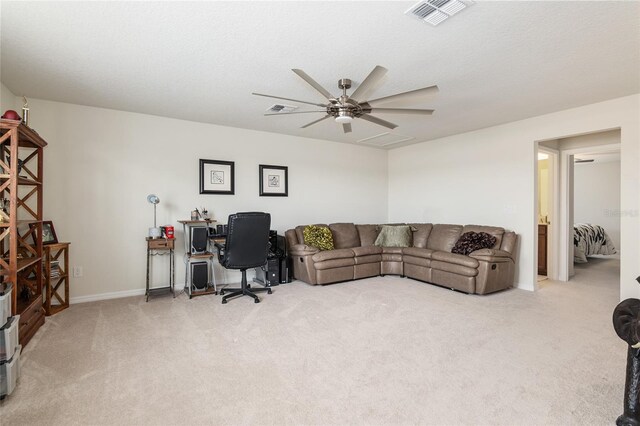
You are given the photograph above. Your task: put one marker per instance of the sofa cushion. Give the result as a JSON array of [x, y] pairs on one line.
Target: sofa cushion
[[366, 251], [332, 254], [412, 260], [368, 234], [421, 234], [394, 236], [495, 231], [392, 250], [373, 258], [345, 235], [417, 252], [302, 250], [443, 237], [453, 268], [456, 259], [334, 263], [318, 236], [472, 241]]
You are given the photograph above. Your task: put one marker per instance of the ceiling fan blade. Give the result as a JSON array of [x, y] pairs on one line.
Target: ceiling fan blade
[[316, 121], [295, 112], [402, 111], [378, 121], [346, 127], [289, 99], [369, 82], [313, 83], [413, 95]]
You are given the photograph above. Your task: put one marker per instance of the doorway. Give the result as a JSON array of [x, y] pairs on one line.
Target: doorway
[[562, 202]]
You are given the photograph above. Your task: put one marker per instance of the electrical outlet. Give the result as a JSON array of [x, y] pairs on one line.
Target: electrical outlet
[[77, 271]]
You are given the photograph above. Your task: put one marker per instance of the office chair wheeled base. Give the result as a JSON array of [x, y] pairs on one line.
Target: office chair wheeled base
[[244, 290]]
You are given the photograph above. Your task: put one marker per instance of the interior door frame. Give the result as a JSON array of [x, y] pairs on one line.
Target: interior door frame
[[553, 244], [565, 254]]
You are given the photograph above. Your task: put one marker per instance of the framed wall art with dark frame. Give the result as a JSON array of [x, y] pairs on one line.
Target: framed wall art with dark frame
[[217, 177], [48, 232], [274, 181]]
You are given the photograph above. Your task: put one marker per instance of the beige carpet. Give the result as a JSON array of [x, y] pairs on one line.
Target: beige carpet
[[375, 351]]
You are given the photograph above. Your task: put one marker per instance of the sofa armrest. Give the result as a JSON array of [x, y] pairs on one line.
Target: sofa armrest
[[303, 250], [491, 255]]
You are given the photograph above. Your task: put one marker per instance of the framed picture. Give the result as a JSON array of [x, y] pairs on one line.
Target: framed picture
[[274, 181], [217, 177], [48, 232]]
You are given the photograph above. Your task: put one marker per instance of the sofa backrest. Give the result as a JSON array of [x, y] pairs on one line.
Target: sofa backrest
[[443, 237], [421, 234], [368, 234], [491, 230], [345, 235]]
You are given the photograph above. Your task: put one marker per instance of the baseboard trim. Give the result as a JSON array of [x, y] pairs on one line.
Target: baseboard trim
[[107, 296]]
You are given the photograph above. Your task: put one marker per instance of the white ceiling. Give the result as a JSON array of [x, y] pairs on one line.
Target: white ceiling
[[495, 62]]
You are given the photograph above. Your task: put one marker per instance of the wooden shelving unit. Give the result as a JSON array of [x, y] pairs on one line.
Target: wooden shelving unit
[[56, 281], [21, 250]]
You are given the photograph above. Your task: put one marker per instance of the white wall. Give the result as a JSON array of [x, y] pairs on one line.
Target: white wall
[[596, 196], [8, 99], [101, 164], [487, 177]]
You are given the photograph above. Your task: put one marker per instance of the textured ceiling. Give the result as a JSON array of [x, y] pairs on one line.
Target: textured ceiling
[[495, 62]]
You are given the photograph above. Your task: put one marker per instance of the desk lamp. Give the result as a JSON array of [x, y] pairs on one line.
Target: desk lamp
[[154, 232]]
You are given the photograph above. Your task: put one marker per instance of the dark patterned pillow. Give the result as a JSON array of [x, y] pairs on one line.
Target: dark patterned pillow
[[318, 236], [472, 241]]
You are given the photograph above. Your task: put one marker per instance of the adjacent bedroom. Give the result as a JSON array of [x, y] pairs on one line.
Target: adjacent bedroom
[[596, 207]]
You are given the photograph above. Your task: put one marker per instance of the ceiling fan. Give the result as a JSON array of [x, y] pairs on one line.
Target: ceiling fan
[[345, 108]]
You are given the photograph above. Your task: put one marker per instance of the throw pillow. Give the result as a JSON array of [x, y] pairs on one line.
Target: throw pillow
[[472, 241], [394, 236], [318, 236]]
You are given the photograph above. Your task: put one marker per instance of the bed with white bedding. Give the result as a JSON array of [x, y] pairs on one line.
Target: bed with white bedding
[[590, 239]]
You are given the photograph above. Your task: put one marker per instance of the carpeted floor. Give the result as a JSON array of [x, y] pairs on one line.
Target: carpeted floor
[[375, 351]]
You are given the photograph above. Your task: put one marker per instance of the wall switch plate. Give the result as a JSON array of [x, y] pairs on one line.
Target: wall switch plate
[[77, 271]]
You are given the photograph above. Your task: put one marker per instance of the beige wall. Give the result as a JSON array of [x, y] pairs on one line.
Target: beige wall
[[101, 164], [8, 99], [487, 177]]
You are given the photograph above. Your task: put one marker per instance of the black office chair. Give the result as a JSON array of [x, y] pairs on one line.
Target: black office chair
[[246, 247]]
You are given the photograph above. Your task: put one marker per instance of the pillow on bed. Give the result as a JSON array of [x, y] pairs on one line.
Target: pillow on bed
[[472, 241]]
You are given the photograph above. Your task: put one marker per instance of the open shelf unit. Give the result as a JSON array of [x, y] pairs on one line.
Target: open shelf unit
[[21, 251]]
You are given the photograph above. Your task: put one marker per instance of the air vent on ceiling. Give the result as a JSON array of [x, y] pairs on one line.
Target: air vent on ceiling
[[385, 139], [436, 11], [578, 161], [276, 108]]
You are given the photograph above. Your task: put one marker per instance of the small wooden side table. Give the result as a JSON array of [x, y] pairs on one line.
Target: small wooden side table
[[56, 274], [160, 247]]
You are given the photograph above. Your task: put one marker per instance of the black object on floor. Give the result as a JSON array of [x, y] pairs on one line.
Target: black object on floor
[[626, 318]]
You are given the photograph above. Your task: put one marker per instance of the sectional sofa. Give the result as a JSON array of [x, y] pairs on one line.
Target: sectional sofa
[[429, 258]]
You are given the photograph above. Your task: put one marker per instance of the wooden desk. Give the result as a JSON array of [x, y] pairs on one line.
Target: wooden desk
[[161, 247]]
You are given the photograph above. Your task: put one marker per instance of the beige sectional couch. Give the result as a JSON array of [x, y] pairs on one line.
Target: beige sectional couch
[[429, 259]]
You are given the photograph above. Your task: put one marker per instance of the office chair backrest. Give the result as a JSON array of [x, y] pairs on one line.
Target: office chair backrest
[[247, 240]]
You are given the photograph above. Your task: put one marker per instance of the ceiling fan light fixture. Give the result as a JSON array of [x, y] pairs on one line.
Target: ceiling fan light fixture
[[344, 117]]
